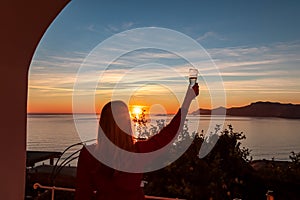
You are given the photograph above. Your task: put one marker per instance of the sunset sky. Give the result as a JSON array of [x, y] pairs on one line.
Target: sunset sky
[[255, 45]]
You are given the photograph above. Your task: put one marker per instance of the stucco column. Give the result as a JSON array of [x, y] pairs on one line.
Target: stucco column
[[23, 23]]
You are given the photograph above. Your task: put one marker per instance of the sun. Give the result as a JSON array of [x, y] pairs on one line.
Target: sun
[[137, 110]]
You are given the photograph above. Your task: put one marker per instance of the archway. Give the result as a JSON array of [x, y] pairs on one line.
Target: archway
[[23, 25]]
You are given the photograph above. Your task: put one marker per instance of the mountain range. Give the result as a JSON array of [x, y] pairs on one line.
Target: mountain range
[[257, 109]]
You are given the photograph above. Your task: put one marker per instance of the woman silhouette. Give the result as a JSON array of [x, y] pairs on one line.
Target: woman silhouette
[[98, 181]]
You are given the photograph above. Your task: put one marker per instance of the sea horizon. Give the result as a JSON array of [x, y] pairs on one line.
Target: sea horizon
[[267, 138]]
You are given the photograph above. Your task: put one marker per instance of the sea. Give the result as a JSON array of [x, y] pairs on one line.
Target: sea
[[266, 138]]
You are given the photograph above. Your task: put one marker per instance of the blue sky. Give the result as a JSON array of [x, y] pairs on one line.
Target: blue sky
[[255, 44]]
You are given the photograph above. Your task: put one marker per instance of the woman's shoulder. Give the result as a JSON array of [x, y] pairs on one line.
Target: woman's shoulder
[[87, 151]]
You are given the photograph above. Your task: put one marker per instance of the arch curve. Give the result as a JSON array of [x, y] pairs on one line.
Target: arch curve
[[23, 24]]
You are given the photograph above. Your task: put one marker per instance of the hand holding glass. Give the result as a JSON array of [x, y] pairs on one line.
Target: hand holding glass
[[193, 74]]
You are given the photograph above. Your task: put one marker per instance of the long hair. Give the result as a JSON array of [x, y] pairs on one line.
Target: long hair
[[115, 123]]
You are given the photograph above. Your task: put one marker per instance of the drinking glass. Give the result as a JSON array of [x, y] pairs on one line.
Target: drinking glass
[[193, 74]]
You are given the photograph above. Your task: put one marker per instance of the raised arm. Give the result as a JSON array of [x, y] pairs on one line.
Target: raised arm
[[191, 93], [168, 133]]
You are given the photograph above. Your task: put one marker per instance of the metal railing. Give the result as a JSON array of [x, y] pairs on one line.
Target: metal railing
[[161, 198], [53, 188], [58, 167]]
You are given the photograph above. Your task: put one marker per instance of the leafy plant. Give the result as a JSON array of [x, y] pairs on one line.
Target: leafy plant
[[295, 157], [220, 175], [225, 173]]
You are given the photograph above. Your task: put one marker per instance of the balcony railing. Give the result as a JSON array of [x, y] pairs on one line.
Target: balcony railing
[[54, 188]]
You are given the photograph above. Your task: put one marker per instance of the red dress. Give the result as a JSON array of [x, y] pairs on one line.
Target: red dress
[[97, 181]]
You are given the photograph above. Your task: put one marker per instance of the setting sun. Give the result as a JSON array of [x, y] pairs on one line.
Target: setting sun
[[137, 111]]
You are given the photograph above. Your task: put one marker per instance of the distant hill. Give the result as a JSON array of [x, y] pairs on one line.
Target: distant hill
[[257, 109]]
